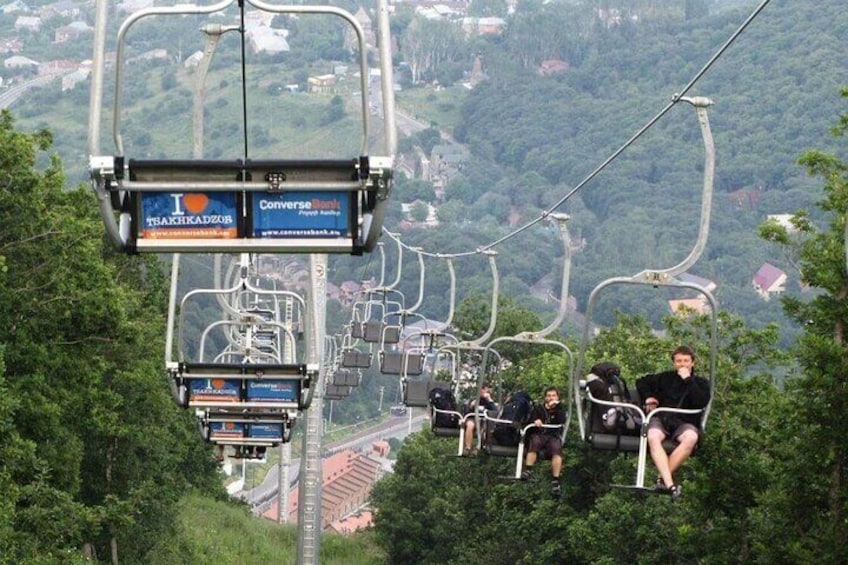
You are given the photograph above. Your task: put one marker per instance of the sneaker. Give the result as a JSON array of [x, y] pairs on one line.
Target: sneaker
[[526, 474], [556, 489], [676, 491]]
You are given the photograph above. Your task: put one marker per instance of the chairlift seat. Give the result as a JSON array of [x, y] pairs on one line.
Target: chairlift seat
[[391, 334], [343, 377], [341, 391], [247, 385], [248, 205], [444, 431], [416, 394], [249, 416], [354, 359], [399, 363], [490, 443], [372, 332]]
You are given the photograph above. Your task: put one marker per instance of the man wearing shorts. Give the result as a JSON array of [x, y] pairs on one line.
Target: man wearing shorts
[[677, 388], [549, 419]]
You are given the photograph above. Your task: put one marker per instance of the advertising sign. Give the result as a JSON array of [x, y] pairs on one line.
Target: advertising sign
[[226, 430], [187, 215], [275, 390], [265, 431], [214, 390], [301, 214]]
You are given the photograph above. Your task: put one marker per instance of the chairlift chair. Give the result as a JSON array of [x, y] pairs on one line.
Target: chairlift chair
[[240, 204], [652, 278]]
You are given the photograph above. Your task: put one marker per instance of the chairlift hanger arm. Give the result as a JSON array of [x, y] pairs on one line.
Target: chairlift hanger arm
[[493, 318], [532, 339], [420, 300], [354, 231], [668, 277], [184, 9]]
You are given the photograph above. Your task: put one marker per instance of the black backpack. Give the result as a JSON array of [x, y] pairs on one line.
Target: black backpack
[[443, 399], [517, 410], [605, 383]]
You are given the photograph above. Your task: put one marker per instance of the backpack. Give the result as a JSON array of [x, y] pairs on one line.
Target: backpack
[[517, 410], [443, 399], [605, 383]]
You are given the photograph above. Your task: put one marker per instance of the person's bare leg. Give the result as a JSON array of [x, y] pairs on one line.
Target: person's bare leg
[[659, 456]]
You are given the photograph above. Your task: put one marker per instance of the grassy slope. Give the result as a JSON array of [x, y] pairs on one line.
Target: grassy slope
[[221, 533]]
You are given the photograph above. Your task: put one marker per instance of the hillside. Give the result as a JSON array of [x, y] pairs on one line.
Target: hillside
[[532, 138], [535, 137], [225, 532]]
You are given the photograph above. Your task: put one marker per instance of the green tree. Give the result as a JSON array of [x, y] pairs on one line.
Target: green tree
[[97, 451], [335, 110], [419, 211], [814, 526], [427, 45]]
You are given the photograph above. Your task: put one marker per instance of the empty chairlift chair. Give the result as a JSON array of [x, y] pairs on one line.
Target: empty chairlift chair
[[240, 204]]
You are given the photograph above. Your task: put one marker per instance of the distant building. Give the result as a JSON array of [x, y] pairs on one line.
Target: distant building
[[347, 478], [263, 39], [432, 219], [445, 160], [19, 62], [769, 280], [553, 66], [27, 23], [352, 524], [70, 80], [436, 12], [151, 55], [14, 7], [683, 306], [325, 84], [193, 60], [58, 66], [483, 26], [130, 6], [14, 45], [71, 32], [706, 284], [351, 40], [63, 9], [784, 220]]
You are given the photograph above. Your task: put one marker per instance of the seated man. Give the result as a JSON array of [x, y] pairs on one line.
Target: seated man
[[484, 402], [677, 388], [547, 440]]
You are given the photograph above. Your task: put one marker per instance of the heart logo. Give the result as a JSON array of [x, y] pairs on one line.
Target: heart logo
[[195, 202]]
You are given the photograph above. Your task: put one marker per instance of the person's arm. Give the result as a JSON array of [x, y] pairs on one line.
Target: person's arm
[[648, 388], [537, 414], [699, 392], [560, 414]]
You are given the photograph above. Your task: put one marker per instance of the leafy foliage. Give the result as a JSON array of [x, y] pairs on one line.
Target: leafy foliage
[[767, 483], [96, 450]]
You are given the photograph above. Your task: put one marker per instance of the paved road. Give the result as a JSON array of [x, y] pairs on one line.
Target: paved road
[[14, 93]]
